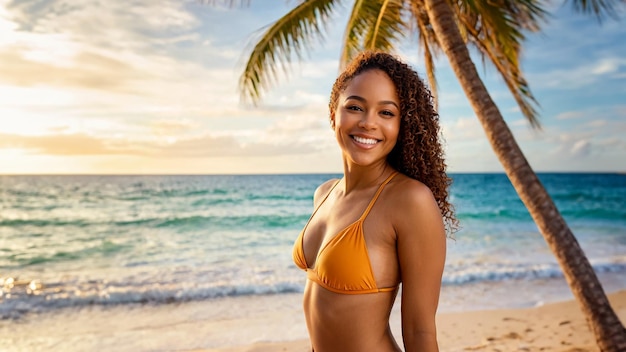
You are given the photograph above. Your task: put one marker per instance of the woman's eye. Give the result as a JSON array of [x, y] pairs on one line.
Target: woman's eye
[[354, 107], [387, 113]]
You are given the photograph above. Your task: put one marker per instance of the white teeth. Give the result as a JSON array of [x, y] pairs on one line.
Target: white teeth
[[365, 140]]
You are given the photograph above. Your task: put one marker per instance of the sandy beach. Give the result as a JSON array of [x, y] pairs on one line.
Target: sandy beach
[[552, 327], [275, 323]]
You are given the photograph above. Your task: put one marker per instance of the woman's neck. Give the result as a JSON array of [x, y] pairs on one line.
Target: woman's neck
[[358, 177]]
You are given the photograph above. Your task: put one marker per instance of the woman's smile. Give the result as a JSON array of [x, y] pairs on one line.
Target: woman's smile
[[368, 142]]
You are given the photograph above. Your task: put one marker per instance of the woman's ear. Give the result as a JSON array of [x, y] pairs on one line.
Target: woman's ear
[[332, 120]]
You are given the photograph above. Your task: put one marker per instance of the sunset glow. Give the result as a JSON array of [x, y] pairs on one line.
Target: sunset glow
[[116, 88]]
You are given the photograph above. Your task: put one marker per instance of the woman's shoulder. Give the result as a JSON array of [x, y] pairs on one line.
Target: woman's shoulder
[[406, 191], [413, 209], [323, 189]]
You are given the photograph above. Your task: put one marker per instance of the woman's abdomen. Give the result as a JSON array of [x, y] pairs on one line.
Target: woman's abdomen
[[344, 322]]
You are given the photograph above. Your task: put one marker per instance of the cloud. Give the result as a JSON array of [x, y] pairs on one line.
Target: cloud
[[307, 128], [607, 65], [583, 144], [92, 71], [597, 123], [581, 75], [223, 146], [594, 141], [204, 145], [60, 144], [581, 149], [171, 127], [568, 115], [92, 45], [77, 62], [519, 122], [106, 24], [463, 129]]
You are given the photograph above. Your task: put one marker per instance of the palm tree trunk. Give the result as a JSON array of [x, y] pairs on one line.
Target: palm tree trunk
[[609, 332]]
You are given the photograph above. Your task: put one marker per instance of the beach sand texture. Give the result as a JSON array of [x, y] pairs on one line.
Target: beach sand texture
[[188, 326], [554, 327]]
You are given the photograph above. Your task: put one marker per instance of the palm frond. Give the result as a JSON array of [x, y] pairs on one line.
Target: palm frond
[[496, 28], [356, 26], [420, 17], [428, 44], [515, 81], [289, 35], [389, 26], [372, 25], [599, 8]]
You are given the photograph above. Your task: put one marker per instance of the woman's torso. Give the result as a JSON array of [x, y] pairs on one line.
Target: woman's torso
[[351, 321]]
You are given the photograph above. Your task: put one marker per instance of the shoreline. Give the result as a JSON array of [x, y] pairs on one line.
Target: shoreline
[[267, 323]]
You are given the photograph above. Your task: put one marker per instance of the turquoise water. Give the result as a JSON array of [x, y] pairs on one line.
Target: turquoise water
[[82, 240]]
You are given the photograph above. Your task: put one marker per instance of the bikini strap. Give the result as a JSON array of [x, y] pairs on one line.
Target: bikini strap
[[323, 200], [380, 189]]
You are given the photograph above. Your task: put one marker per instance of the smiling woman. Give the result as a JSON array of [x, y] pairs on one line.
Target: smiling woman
[[383, 224]]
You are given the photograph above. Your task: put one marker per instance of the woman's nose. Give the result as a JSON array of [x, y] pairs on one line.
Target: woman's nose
[[368, 120]]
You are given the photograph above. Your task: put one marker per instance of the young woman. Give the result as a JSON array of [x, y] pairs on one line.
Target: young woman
[[383, 223]]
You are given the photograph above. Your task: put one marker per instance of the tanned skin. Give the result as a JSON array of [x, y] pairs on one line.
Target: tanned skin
[[404, 232]]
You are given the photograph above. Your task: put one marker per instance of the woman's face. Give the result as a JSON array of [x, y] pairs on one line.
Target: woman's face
[[367, 118]]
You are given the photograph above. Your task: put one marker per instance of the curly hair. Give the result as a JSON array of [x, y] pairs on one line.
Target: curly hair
[[418, 152]]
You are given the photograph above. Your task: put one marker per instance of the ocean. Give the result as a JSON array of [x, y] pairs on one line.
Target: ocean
[[78, 241]]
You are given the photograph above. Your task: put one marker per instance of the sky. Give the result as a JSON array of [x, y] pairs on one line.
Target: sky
[[151, 87]]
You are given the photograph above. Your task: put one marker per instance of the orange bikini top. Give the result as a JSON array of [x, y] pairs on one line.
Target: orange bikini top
[[343, 264]]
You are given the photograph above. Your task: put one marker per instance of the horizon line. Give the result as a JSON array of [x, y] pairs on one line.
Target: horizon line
[[291, 173]]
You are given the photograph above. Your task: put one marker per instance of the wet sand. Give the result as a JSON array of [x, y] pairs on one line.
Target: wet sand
[[276, 323]]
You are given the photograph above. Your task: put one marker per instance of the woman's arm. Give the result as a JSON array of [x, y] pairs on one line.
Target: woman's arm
[[421, 255]]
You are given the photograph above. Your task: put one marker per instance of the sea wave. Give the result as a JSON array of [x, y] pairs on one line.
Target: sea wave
[[24, 259], [19, 298], [243, 221], [595, 213], [495, 215], [492, 271], [269, 220], [44, 222]]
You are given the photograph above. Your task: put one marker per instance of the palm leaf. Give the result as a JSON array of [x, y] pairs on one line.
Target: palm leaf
[[495, 28], [600, 8], [375, 25], [357, 25], [289, 35], [389, 26], [428, 44]]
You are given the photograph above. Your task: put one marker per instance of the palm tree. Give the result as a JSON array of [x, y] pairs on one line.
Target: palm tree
[[495, 29]]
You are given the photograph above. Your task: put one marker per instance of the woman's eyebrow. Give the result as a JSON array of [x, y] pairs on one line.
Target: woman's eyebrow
[[383, 102], [389, 102], [356, 97]]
